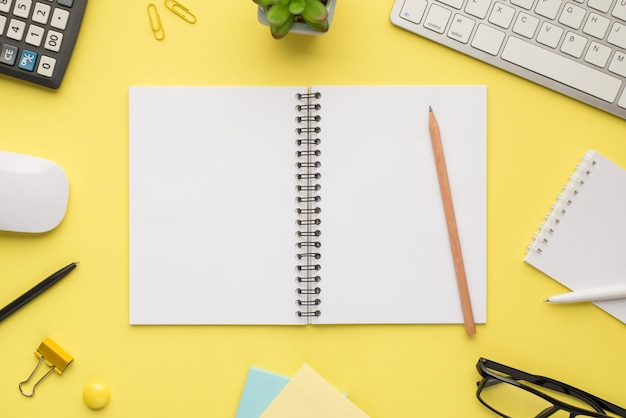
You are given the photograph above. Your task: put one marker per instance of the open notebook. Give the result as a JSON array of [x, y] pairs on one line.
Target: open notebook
[[582, 243], [294, 205]]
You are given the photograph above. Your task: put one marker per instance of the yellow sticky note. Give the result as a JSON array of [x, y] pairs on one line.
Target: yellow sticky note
[[309, 395]]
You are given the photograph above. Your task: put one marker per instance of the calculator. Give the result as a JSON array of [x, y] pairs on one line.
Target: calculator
[[37, 38]]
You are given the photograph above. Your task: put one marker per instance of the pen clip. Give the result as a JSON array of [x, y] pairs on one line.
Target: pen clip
[[155, 22], [180, 11]]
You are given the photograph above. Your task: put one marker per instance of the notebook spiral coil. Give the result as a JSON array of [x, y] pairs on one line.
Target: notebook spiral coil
[[564, 201], [308, 211]]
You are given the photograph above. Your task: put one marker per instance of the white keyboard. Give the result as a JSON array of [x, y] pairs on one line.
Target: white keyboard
[[576, 47]]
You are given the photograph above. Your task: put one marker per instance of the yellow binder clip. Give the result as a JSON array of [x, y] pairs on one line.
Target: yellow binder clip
[[55, 358], [180, 11], [155, 22]]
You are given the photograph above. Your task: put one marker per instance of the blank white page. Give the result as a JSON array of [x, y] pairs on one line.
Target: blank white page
[[212, 212], [385, 252]]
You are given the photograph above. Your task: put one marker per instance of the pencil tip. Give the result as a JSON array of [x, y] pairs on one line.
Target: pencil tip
[[546, 300], [430, 109], [77, 262]]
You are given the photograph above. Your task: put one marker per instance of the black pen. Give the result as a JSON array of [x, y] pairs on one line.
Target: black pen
[[36, 291]]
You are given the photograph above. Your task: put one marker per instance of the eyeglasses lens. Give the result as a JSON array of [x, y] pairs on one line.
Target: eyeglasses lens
[[512, 401], [516, 402]]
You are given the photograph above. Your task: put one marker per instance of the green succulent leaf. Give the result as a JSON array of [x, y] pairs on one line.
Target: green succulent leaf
[[319, 27], [297, 6], [264, 3], [315, 12], [280, 31], [282, 2], [278, 14]]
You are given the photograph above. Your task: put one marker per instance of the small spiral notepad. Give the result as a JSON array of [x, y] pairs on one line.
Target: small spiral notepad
[[582, 242], [295, 205]]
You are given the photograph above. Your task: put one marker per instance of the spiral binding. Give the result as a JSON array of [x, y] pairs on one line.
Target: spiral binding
[[308, 210], [564, 201]]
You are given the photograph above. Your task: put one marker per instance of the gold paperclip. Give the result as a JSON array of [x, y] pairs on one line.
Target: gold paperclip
[[155, 22], [180, 10], [55, 358]]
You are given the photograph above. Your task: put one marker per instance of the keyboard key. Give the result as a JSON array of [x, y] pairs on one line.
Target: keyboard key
[[22, 8], [488, 39], [548, 8], [53, 41], [437, 18], [596, 25], [574, 44], [453, 3], [413, 10], [617, 35], [525, 25], [618, 64], [561, 69], [600, 5], [572, 16], [619, 10], [478, 8], [461, 28], [3, 24], [502, 15], [59, 19], [598, 54], [526, 4], [41, 13], [8, 54], [27, 60], [46, 66], [549, 35], [35, 35], [5, 5], [16, 29]]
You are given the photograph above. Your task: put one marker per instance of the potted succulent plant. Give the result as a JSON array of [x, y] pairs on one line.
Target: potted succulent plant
[[298, 16]]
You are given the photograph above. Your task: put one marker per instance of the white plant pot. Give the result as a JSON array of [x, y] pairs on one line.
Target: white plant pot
[[301, 27]]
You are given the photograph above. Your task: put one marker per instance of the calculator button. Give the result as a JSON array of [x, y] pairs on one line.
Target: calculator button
[[46, 66], [53, 41], [59, 19], [22, 8], [8, 54], [41, 13], [5, 5], [27, 60], [16, 29], [66, 3], [3, 23], [35, 35]]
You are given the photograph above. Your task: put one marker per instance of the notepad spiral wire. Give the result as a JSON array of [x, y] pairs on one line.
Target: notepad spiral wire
[[564, 201], [308, 199]]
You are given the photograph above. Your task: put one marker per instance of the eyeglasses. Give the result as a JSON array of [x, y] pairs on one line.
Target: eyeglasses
[[512, 393]]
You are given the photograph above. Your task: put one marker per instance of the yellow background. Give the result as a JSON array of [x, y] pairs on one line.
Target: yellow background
[[535, 137]]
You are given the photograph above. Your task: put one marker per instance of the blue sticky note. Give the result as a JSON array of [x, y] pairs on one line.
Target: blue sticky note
[[259, 391]]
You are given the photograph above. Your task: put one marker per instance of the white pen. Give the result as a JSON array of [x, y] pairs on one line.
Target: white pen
[[590, 295]]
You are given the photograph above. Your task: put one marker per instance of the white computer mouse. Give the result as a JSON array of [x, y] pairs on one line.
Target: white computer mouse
[[33, 193]]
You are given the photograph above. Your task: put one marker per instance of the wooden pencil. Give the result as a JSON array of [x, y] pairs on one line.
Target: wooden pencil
[[453, 233]]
